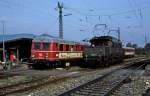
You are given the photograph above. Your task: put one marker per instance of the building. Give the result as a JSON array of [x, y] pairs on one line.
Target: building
[[18, 45]]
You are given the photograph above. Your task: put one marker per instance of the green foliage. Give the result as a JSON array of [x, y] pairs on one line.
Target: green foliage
[[131, 45], [140, 51], [128, 45], [147, 49]]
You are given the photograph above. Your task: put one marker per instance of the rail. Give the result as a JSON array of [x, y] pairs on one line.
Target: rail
[[106, 84]]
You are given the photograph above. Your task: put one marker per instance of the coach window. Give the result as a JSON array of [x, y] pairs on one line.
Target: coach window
[[45, 46], [74, 47], [71, 48], [37, 45], [67, 47], [79, 48], [61, 47], [57, 46]]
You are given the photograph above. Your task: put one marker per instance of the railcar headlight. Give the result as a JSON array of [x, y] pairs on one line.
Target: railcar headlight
[[33, 56], [57, 55], [46, 57]]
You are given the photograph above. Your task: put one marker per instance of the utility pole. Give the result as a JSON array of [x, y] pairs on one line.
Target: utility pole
[[145, 39], [60, 7], [3, 28], [119, 33]]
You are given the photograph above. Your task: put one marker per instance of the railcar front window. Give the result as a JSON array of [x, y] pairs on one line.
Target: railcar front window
[[67, 47], [61, 47], [45, 46], [37, 45]]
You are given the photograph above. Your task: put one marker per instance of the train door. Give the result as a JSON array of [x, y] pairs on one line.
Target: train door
[[53, 51]]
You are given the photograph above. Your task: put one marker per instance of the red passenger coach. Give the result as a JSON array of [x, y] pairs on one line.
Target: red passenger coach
[[52, 52]]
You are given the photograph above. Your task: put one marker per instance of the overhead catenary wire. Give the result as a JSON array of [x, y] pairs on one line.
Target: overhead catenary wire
[[113, 14], [140, 19], [109, 16], [135, 12]]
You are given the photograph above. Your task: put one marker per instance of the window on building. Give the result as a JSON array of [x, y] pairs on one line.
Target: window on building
[[37, 45]]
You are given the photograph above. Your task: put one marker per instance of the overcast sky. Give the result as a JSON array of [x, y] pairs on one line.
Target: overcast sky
[[41, 16]]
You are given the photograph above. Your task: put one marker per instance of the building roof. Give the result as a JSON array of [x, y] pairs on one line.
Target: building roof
[[15, 37]]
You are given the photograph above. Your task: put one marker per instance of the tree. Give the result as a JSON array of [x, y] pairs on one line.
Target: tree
[[140, 51], [147, 48], [128, 45], [131, 45], [135, 46]]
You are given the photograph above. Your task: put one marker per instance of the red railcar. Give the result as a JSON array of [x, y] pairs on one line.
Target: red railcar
[[54, 52]]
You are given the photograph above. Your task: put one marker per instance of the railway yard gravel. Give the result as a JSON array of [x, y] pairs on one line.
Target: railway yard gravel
[[137, 87], [16, 79], [61, 86], [77, 76]]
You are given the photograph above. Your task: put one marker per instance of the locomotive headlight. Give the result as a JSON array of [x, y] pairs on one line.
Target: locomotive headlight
[[33, 56]]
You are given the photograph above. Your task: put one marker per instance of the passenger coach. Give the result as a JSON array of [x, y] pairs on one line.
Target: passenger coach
[[129, 52]]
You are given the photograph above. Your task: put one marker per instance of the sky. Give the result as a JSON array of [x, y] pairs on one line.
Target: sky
[[87, 18]]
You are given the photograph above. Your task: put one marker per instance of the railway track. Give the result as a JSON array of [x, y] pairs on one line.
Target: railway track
[[24, 86], [2, 76], [33, 84], [106, 84], [30, 85]]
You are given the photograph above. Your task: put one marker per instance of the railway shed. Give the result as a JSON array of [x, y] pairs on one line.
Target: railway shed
[[18, 44]]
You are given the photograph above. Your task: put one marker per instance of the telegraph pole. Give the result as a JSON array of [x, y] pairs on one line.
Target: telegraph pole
[[145, 39], [119, 33], [3, 28], [60, 7]]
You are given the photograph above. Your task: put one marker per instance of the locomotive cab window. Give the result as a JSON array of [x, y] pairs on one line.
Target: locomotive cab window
[[37, 45], [45, 46]]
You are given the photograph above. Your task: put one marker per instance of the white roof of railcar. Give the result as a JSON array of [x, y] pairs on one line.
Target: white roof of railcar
[[129, 48]]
